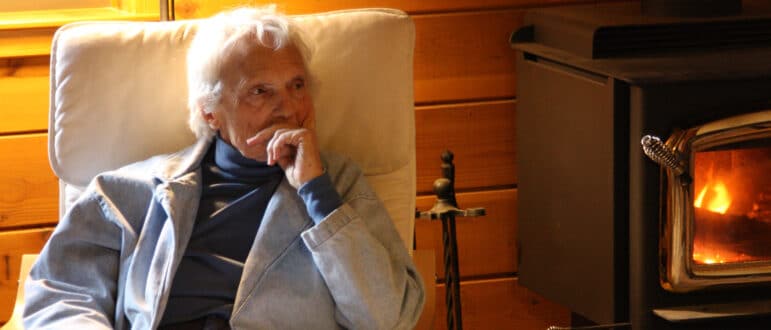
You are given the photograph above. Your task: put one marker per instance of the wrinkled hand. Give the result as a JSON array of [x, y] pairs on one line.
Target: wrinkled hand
[[294, 149]]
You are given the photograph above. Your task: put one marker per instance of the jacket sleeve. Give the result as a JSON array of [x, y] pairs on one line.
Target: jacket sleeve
[[72, 285], [364, 262]]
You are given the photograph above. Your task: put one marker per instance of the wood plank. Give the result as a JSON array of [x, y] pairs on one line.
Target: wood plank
[[30, 190], [12, 245], [25, 42], [185, 9], [481, 135], [465, 56], [501, 304], [486, 245], [24, 94]]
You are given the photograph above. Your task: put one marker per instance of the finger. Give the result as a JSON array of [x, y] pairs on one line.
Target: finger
[[266, 134], [286, 158], [283, 143], [271, 146], [274, 144], [286, 163], [261, 137]]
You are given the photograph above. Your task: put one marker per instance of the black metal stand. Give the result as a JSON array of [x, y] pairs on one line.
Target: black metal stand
[[446, 209]]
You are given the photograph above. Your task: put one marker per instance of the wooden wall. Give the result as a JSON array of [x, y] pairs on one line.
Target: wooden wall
[[465, 101]]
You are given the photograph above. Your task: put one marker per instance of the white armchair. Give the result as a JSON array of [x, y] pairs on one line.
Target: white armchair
[[118, 95]]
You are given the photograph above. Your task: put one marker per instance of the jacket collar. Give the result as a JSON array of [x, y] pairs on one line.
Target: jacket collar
[[183, 162], [284, 220]]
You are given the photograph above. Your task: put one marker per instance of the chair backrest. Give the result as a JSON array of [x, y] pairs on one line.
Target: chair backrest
[[119, 93]]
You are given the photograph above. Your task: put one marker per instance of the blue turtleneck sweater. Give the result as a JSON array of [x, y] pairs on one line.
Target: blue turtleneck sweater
[[235, 193]]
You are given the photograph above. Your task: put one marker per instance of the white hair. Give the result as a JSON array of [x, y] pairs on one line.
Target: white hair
[[220, 36]]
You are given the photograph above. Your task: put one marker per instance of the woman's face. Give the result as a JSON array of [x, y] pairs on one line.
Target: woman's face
[[262, 89]]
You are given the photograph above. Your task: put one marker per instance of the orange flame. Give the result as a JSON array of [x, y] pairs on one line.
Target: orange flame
[[719, 200], [714, 197], [711, 254], [709, 258]]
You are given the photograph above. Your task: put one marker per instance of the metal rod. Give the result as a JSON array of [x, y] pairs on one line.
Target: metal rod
[[451, 273], [455, 272], [448, 301]]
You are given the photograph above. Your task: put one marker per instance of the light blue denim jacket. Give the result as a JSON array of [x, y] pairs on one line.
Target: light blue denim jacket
[[111, 260]]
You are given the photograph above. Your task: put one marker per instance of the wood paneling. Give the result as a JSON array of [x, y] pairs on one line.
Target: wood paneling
[[465, 56], [501, 304], [204, 8], [462, 56], [481, 135], [29, 188], [24, 94], [486, 245], [12, 245]]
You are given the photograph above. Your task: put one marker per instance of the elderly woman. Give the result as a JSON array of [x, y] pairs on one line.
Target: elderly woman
[[250, 228]]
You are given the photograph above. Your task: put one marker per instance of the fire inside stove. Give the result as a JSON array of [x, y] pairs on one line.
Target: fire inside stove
[[716, 224], [732, 205]]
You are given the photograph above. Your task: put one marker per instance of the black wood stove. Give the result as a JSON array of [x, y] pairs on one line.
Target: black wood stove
[[679, 238]]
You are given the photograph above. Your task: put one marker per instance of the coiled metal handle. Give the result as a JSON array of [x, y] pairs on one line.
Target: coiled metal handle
[[658, 152]]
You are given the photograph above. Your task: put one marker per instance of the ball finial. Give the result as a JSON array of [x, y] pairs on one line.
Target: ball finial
[[447, 156], [443, 188]]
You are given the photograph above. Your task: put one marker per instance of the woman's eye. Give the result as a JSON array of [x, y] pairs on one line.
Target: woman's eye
[[299, 85], [258, 91]]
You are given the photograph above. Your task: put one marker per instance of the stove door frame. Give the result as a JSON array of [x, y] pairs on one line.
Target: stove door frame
[[678, 272]]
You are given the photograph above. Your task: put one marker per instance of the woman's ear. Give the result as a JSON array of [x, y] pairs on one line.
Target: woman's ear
[[209, 117]]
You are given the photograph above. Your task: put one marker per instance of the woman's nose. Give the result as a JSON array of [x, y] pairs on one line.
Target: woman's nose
[[282, 104]]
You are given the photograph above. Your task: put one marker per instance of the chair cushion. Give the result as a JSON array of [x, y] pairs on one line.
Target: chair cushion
[[119, 94]]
